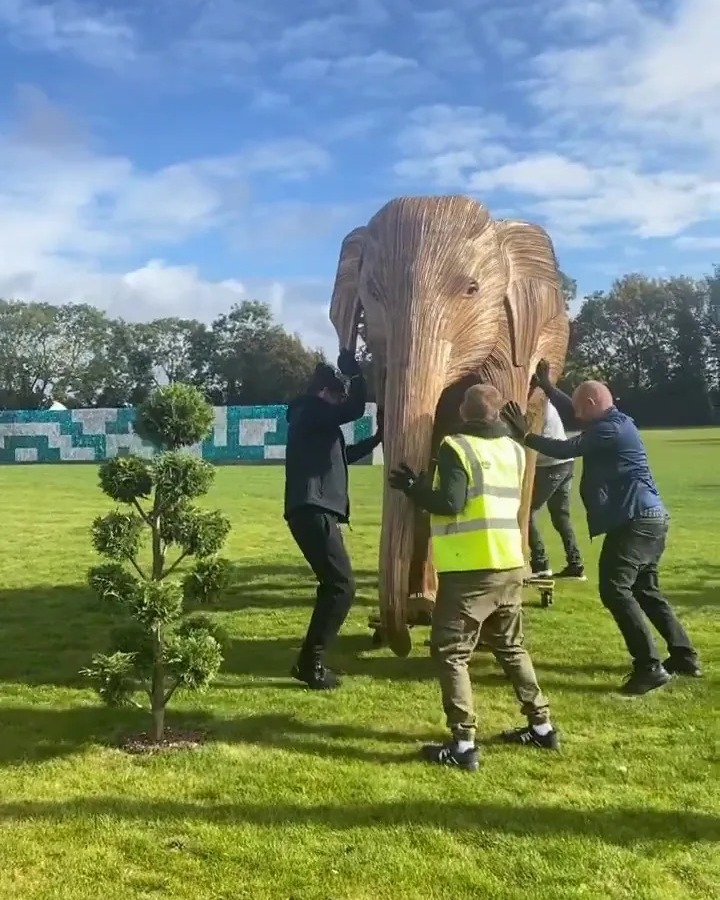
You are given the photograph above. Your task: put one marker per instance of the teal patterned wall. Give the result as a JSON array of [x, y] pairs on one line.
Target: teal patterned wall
[[240, 434]]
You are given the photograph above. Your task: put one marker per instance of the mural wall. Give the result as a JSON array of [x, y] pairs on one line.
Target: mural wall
[[241, 434]]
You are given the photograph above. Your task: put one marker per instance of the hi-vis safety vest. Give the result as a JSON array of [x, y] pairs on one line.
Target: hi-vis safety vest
[[486, 534]]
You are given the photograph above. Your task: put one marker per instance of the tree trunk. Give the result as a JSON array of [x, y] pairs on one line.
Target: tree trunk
[[158, 729], [158, 551], [158, 687]]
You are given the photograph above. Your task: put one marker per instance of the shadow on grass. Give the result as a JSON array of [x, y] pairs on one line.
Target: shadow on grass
[[37, 734], [353, 656], [49, 633], [619, 826], [695, 588], [281, 586]]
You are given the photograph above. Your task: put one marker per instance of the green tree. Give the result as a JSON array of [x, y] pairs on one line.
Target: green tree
[[624, 335], [174, 347], [28, 362], [58, 351], [254, 360], [650, 340], [159, 648], [125, 375]]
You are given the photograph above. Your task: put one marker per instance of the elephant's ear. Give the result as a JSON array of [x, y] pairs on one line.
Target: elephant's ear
[[345, 306], [534, 295]]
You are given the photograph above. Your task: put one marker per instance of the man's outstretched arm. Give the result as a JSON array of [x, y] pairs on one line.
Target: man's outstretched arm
[[449, 498], [600, 436], [356, 452]]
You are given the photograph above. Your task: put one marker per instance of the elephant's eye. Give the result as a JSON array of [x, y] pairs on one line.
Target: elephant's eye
[[472, 288]]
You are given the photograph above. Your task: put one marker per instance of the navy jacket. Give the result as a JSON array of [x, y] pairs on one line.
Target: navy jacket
[[616, 484], [316, 456]]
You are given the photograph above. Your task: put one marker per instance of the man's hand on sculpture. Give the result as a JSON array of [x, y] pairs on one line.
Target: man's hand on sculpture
[[405, 480], [515, 420], [542, 375], [348, 364]]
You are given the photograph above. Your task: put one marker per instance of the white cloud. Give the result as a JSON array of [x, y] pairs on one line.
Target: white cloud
[[546, 175], [447, 41], [649, 205], [331, 33], [270, 100], [353, 70], [76, 224], [698, 244], [441, 144], [626, 129], [95, 35], [159, 290], [658, 75]]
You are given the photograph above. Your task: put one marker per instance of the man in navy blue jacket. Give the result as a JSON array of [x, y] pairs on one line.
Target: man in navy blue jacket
[[623, 503]]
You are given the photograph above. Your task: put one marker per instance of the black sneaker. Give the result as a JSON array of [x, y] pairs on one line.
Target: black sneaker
[[316, 677], [575, 572], [681, 665], [541, 571], [449, 755], [528, 737], [642, 681]]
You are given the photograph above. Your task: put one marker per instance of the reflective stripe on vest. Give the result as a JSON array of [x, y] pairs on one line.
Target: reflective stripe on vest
[[486, 534]]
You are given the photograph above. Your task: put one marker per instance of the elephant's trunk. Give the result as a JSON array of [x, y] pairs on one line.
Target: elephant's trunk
[[415, 381]]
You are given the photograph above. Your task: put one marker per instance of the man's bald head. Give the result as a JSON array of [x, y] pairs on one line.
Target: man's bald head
[[591, 400], [481, 403]]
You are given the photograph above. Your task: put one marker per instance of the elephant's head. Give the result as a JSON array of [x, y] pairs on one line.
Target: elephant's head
[[447, 295]]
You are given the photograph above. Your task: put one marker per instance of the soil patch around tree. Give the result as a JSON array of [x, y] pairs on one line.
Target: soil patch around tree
[[142, 744]]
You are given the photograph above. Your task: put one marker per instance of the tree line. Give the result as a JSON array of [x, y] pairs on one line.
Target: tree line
[[81, 357], [656, 342]]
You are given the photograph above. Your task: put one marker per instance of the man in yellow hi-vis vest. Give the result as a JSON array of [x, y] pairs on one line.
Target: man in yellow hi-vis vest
[[478, 553]]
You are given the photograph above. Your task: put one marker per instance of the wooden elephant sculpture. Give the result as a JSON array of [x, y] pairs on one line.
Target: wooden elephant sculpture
[[448, 297]]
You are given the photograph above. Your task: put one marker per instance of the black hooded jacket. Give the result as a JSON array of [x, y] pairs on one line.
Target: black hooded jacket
[[316, 456]]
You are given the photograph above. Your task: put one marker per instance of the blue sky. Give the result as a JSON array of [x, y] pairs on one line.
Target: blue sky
[[174, 156]]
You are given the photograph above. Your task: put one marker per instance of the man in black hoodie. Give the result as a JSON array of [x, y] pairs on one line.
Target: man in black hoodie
[[316, 500]]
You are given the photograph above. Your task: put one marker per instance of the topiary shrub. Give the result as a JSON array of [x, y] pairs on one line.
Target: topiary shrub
[[159, 648]]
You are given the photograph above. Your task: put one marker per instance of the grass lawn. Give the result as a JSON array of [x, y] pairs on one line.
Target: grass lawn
[[320, 797]]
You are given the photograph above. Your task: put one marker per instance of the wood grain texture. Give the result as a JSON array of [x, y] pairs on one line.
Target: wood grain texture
[[450, 297]]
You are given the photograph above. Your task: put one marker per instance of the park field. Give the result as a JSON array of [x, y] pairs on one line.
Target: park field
[[320, 797]]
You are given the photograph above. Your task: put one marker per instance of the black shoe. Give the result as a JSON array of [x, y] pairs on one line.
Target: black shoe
[[316, 676], [683, 666], [575, 572], [541, 571], [642, 681], [528, 737], [449, 755]]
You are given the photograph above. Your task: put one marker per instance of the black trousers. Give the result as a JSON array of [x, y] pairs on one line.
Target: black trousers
[[629, 588], [318, 536], [552, 486]]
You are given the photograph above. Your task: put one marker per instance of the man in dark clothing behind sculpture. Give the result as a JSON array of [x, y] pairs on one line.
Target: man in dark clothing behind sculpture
[[316, 500], [623, 503]]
